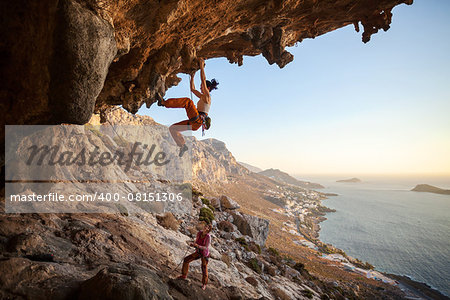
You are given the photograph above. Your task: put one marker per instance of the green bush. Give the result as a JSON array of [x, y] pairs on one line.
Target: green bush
[[299, 267], [307, 294], [274, 251], [206, 215], [253, 264], [289, 260], [243, 243], [255, 247], [207, 203], [196, 192]]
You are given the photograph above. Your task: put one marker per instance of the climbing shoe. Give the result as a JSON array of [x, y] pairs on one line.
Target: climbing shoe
[[183, 149], [159, 99]]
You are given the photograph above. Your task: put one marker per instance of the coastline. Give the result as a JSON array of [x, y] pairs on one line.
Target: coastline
[[409, 286]]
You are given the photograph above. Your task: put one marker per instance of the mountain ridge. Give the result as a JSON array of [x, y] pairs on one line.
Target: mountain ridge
[[286, 178]]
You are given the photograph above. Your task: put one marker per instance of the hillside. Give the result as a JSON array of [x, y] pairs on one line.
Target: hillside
[[288, 179], [130, 249], [250, 167]]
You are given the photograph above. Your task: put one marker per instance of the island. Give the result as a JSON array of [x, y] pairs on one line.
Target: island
[[430, 189], [352, 180]]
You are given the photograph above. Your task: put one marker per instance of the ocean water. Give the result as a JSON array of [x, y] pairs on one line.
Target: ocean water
[[398, 231]]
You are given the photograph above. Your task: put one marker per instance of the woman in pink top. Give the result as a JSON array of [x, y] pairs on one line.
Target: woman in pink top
[[202, 243]]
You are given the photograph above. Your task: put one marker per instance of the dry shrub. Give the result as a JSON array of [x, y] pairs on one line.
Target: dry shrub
[[280, 294], [226, 259], [168, 221], [225, 226], [252, 280]]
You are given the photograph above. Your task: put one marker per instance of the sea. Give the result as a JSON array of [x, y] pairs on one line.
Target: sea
[[383, 222]]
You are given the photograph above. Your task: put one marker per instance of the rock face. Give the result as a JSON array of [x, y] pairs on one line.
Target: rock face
[[84, 49], [212, 161], [228, 203], [252, 226], [250, 167], [430, 189], [55, 54], [119, 283]]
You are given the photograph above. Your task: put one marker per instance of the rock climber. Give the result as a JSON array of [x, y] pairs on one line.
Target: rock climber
[[198, 116], [201, 244]]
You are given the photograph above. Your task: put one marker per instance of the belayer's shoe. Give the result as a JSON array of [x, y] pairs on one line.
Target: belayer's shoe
[[183, 149], [159, 99]]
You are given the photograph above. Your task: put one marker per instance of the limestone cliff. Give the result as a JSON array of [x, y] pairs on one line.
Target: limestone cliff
[[63, 58]]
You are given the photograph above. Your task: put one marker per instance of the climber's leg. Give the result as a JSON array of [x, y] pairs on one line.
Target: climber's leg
[[185, 103], [175, 130], [187, 260], [204, 271]]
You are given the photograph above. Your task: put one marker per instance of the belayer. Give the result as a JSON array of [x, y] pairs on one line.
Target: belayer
[[198, 115], [202, 242]]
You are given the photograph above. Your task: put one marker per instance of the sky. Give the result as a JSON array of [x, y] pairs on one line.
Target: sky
[[342, 106]]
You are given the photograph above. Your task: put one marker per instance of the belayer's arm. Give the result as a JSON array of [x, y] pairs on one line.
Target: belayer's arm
[[208, 241]]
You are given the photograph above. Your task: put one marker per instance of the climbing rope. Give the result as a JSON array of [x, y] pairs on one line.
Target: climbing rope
[[184, 255], [190, 78], [187, 249]]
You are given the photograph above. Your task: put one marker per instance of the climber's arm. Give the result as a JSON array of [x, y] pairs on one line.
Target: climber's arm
[[204, 88], [193, 90]]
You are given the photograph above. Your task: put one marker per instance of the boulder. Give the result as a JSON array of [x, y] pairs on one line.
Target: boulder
[[252, 226], [234, 293], [84, 49], [252, 280], [215, 202], [124, 283], [225, 226], [22, 278], [228, 203], [184, 289], [214, 254], [269, 269], [168, 221]]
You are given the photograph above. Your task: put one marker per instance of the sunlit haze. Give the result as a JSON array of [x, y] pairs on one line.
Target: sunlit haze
[[341, 106]]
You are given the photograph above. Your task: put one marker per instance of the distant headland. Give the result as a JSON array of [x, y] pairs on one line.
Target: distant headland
[[430, 189], [353, 180]]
